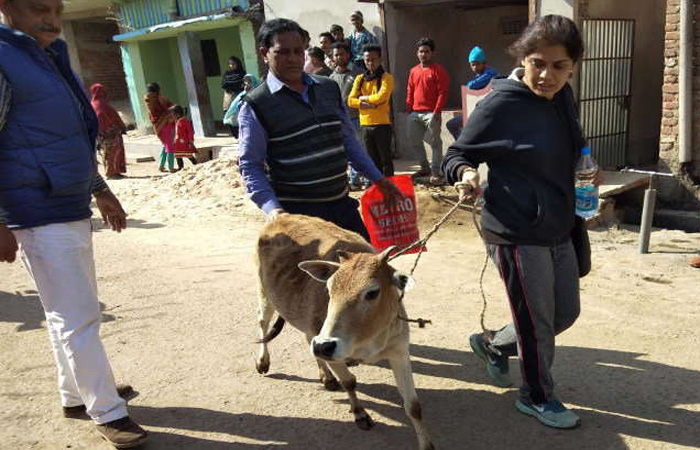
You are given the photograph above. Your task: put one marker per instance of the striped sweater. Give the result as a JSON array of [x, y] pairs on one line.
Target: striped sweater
[[305, 152]]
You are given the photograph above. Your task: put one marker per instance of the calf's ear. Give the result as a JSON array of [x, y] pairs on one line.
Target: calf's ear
[[319, 270], [403, 281]]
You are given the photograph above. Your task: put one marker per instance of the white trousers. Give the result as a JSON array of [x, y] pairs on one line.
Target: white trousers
[[60, 260]]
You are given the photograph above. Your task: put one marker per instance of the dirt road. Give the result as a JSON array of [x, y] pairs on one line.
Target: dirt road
[[178, 292]]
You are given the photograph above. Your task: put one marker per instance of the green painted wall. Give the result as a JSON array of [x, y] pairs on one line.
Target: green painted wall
[[180, 85], [250, 48], [159, 66], [135, 81], [158, 60], [228, 43]]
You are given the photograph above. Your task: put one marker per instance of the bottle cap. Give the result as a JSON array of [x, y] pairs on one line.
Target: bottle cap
[[586, 151]]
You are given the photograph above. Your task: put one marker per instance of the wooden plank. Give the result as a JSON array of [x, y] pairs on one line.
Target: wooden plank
[[618, 182]]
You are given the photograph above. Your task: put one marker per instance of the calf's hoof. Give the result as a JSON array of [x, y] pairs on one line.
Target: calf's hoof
[[364, 421], [331, 384], [262, 366], [427, 446]]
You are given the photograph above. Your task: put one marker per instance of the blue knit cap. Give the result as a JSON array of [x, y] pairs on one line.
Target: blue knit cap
[[477, 55]]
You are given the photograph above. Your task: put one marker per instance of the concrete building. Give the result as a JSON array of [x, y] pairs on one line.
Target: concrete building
[[456, 26], [88, 28], [184, 46], [317, 16]]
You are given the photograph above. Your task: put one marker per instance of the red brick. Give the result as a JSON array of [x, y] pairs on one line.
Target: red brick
[[669, 97], [669, 131], [670, 88], [666, 146], [100, 57], [670, 105]]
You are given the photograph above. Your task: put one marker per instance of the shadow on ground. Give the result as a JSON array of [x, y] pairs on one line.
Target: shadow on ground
[[615, 393], [24, 308]]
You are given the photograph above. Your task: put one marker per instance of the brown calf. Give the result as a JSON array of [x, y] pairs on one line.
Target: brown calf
[[330, 284]]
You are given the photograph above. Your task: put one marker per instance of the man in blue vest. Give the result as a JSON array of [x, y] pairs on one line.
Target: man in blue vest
[[48, 176], [296, 124]]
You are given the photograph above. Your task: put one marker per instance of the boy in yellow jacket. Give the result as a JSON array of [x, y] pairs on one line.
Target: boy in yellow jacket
[[371, 93]]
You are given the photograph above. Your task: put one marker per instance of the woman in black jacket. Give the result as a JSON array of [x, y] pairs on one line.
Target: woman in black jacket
[[528, 134], [232, 82]]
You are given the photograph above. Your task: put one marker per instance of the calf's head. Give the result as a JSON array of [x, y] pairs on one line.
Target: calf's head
[[364, 293]]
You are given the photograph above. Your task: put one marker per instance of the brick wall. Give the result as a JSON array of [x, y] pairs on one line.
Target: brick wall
[[100, 58], [668, 150], [669, 145]]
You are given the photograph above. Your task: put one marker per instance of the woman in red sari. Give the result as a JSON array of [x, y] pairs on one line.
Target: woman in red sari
[[111, 130]]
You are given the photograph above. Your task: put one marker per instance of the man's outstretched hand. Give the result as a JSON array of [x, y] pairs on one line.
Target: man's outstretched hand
[[111, 210]]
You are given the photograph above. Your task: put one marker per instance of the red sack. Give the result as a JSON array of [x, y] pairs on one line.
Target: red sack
[[396, 226]]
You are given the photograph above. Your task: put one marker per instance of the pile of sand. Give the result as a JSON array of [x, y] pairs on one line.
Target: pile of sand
[[213, 188]]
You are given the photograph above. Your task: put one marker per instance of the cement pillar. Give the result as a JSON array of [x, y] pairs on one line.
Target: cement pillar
[[566, 8], [250, 48], [196, 82], [135, 82], [72, 42]]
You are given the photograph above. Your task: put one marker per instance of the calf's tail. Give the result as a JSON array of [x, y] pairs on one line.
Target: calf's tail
[[274, 331]]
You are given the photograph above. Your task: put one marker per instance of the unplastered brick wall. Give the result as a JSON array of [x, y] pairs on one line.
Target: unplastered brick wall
[[669, 144], [100, 57]]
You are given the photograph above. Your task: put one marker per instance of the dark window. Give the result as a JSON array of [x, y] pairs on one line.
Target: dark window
[[211, 58]]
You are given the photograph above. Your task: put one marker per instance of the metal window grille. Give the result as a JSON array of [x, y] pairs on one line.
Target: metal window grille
[[606, 88]]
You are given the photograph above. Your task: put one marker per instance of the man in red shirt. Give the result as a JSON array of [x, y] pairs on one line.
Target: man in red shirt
[[428, 86]]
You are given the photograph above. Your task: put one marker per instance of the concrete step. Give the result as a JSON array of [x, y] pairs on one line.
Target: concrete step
[[677, 220]]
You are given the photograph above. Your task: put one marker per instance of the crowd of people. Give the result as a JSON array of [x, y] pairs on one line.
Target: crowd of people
[[297, 131], [359, 58]]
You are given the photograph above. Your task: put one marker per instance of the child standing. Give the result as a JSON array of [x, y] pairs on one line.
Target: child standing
[[183, 146]]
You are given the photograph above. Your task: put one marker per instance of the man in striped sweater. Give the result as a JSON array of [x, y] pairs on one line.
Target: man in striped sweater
[[297, 125]]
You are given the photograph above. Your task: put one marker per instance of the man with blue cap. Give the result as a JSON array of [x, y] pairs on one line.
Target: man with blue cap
[[484, 75]]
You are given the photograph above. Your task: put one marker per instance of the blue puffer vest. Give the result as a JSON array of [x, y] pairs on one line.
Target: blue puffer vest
[[47, 147]]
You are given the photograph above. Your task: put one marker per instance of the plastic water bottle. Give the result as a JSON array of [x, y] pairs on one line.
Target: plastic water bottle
[[586, 192]]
